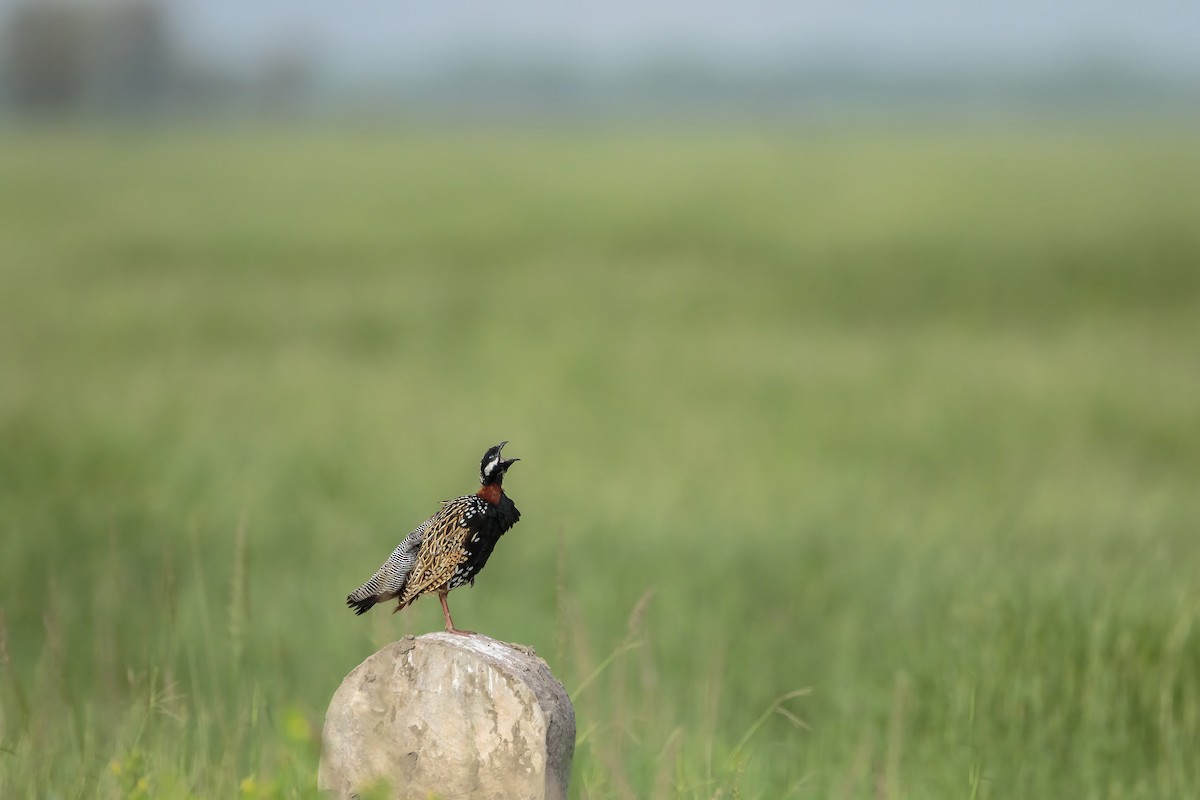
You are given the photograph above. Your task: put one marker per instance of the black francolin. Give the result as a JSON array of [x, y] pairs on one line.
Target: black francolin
[[448, 549]]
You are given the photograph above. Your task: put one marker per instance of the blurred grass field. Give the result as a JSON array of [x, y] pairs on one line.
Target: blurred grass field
[[907, 419]]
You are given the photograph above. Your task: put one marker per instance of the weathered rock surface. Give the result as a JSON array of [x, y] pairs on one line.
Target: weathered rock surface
[[452, 717]]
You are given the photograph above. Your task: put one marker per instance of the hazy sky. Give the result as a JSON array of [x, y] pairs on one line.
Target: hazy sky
[[367, 35], [357, 34]]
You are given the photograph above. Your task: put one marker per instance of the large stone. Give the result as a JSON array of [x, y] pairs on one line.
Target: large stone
[[452, 717]]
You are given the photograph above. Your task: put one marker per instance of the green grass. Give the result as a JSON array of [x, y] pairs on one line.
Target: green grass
[[909, 420]]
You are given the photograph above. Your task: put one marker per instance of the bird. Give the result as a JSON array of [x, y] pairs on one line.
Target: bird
[[447, 550]]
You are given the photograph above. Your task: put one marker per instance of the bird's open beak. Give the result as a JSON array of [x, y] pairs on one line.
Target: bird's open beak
[[505, 462]]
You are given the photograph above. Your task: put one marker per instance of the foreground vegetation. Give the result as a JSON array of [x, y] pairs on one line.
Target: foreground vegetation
[[852, 466]]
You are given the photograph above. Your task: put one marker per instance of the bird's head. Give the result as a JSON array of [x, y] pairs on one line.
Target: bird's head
[[492, 467]]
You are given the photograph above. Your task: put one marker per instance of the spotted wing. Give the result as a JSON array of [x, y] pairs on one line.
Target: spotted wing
[[442, 550]]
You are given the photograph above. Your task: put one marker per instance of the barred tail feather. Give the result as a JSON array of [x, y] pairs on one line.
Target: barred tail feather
[[390, 579], [367, 595], [361, 606]]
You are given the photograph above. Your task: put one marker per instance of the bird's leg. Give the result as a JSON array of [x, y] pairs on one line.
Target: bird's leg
[[449, 621]]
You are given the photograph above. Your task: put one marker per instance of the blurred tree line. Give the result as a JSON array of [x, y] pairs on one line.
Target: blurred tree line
[[61, 57]]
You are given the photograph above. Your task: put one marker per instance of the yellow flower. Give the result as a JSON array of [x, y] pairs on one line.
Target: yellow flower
[[247, 785], [296, 726], [116, 768]]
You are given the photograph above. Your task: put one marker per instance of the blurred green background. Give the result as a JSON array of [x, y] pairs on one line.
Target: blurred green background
[[852, 354], [906, 418]]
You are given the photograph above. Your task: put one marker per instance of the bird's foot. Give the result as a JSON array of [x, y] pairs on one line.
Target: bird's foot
[[459, 632]]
